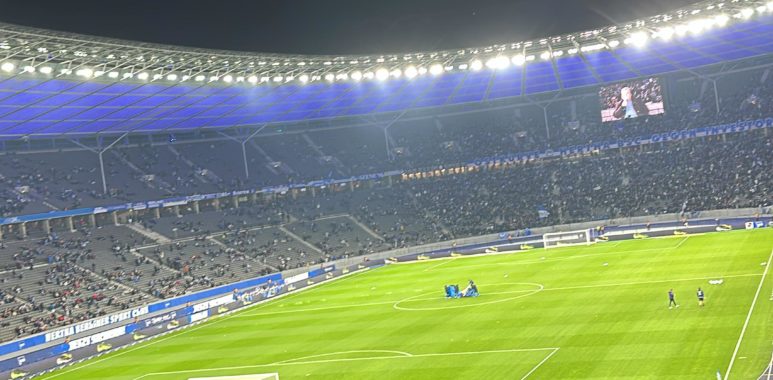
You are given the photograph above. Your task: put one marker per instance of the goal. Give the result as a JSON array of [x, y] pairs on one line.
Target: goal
[[568, 238]]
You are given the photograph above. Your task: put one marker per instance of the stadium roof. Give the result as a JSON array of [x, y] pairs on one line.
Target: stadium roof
[[54, 83]]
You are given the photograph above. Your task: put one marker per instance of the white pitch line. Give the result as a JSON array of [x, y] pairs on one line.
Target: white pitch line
[[412, 356], [295, 311], [769, 370], [370, 304], [652, 282], [322, 308], [538, 261], [444, 262], [748, 317], [292, 294], [415, 298], [288, 361], [540, 363], [446, 259], [682, 242]]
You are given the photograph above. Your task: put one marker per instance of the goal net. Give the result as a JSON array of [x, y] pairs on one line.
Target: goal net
[[568, 238]]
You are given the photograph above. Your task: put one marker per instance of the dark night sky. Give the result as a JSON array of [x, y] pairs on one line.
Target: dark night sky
[[328, 26]]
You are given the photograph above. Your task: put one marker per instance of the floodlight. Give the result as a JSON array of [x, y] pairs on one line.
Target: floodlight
[[228, 79], [422, 70], [171, 77], [721, 20], [436, 69], [518, 60], [476, 65], [396, 73], [46, 70], [698, 26], [157, 76], [278, 79], [143, 76], [614, 43], [200, 78], [545, 55], [356, 75], [498, 62], [252, 79], [638, 39], [747, 12], [411, 72], [29, 69], [382, 74], [213, 78], [127, 75], [86, 73], [368, 75], [593, 47], [303, 78], [330, 77], [7, 66], [666, 33], [239, 79]]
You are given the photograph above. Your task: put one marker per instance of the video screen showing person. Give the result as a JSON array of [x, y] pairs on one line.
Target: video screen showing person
[[631, 99]]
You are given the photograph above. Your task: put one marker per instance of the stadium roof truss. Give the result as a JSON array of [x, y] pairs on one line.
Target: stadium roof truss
[[54, 84]]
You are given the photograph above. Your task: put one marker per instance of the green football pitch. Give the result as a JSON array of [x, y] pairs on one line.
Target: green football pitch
[[588, 312]]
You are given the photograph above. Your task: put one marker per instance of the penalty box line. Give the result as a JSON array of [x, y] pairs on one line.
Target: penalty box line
[[397, 355]]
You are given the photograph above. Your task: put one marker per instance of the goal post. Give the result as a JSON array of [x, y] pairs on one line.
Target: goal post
[[568, 238]]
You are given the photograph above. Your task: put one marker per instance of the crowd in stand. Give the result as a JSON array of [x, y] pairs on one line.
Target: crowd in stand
[[34, 182], [668, 178]]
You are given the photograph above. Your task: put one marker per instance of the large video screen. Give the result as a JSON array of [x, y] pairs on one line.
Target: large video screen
[[631, 99]]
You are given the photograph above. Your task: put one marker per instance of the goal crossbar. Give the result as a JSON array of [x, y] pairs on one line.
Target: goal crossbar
[[568, 238]]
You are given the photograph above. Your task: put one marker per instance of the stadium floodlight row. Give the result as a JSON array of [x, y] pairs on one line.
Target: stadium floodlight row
[[55, 84], [39, 50]]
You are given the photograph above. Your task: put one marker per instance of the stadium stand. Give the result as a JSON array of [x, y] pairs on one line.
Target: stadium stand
[[145, 172], [55, 274]]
